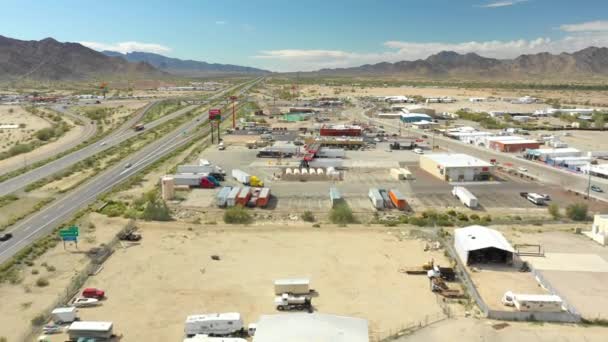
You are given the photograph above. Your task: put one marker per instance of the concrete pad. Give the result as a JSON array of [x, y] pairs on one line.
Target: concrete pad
[[569, 262], [586, 291]]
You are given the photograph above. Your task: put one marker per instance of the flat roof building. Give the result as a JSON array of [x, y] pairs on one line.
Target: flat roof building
[[415, 117], [599, 229], [456, 167], [304, 327], [479, 244]]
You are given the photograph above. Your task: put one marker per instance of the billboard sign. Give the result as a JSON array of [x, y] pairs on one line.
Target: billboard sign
[[215, 114]]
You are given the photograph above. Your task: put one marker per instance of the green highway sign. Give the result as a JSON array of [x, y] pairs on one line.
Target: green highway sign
[[69, 232]]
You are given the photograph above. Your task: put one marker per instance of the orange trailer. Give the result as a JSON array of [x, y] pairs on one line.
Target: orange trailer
[[398, 199]]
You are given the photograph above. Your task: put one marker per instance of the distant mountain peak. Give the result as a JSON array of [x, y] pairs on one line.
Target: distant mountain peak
[[184, 67]]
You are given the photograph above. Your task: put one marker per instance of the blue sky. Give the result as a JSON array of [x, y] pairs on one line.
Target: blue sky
[[311, 34]]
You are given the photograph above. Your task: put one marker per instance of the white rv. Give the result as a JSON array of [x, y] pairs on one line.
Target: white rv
[[214, 324]]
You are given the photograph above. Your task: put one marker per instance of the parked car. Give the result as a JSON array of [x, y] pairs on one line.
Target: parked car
[[6, 236], [596, 188], [85, 302], [92, 292], [127, 165], [546, 197]]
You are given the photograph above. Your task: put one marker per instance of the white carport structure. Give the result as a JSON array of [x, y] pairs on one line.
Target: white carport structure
[[316, 327], [478, 244]]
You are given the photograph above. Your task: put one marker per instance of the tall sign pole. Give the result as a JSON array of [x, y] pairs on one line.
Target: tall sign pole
[[233, 99]]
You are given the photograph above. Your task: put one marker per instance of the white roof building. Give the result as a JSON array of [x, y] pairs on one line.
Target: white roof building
[[482, 244], [304, 327], [457, 160]]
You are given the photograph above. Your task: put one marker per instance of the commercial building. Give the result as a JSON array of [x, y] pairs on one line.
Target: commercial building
[[304, 327], [544, 154], [572, 163], [512, 144], [417, 109], [456, 167], [396, 115], [600, 170], [415, 117], [478, 244], [341, 130], [599, 229], [424, 124]]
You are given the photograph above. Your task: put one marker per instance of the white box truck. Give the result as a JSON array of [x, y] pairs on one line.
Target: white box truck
[[465, 196], [64, 315], [216, 324], [293, 286], [241, 176], [101, 331]]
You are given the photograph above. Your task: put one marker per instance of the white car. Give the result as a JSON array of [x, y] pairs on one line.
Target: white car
[[418, 151], [85, 302], [522, 169], [103, 143]]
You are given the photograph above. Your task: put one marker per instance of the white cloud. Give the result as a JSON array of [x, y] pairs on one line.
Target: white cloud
[[220, 22], [125, 47], [590, 26], [502, 3]]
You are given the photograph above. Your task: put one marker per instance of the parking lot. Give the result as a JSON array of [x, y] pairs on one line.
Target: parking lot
[[344, 266], [370, 168]]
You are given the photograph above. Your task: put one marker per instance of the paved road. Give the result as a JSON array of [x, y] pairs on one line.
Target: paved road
[[48, 218], [545, 173], [88, 130]]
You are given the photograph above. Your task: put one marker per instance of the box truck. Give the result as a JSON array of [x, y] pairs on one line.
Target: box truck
[[376, 198], [465, 196], [246, 179], [293, 286], [64, 315], [397, 199], [215, 324], [100, 331]]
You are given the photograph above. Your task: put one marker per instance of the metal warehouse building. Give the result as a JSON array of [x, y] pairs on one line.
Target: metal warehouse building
[[514, 144], [478, 244], [456, 167], [415, 117], [304, 327]]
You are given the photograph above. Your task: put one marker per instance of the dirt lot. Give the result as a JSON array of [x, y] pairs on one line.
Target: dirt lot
[[9, 137], [22, 302], [172, 275], [475, 330]]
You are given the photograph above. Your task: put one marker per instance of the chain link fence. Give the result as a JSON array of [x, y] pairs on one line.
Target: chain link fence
[[97, 256]]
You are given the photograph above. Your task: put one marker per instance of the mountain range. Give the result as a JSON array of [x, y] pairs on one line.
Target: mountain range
[[182, 67], [49, 59], [589, 62]]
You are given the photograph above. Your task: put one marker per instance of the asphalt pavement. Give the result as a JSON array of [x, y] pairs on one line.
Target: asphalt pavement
[[53, 215], [544, 173]]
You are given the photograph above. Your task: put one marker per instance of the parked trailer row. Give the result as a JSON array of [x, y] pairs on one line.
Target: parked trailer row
[[245, 196], [383, 199]]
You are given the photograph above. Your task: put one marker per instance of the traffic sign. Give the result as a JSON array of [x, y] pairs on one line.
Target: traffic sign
[[69, 232], [70, 238]]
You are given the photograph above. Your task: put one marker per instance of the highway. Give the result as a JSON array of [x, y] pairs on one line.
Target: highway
[[48, 218], [121, 134], [543, 172]]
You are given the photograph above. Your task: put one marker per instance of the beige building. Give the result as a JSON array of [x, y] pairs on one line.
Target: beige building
[[599, 229], [456, 167]]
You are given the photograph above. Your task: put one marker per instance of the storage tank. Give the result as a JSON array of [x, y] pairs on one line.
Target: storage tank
[[296, 171], [288, 171], [320, 171], [312, 171], [167, 187], [304, 171]]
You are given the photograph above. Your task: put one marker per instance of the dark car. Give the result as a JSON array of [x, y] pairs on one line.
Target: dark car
[[596, 188], [6, 237]]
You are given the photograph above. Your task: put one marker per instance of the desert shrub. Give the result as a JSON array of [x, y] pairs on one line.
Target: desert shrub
[[474, 217], [577, 211], [553, 209], [462, 217], [39, 320], [308, 216], [342, 214], [237, 215], [157, 210], [42, 282], [452, 212], [418, 221], [114, 209], [486, 218]]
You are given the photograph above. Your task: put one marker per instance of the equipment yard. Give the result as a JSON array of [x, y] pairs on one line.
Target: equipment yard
[[344, 265]]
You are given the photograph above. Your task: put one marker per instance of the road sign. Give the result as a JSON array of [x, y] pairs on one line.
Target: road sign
[[69, 232], [215, 114], [70, 238]]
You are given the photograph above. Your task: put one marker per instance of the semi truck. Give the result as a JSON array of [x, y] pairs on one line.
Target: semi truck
[[196, 181], [465, 196], [246, 179], [214, 324], [286, 302]]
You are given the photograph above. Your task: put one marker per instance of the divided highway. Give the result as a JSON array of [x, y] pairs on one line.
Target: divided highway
[[121, 134], [48, 218]]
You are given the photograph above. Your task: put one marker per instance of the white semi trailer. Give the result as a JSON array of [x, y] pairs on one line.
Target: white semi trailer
[[214, 324], [292, 286], [465, 196]]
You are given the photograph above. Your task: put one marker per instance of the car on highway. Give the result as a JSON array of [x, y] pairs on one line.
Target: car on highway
[[522, 169], [103, 143], [6, 236], [418, 151], [596, 188], [127, 165]]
